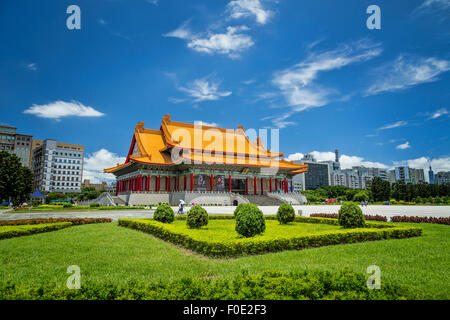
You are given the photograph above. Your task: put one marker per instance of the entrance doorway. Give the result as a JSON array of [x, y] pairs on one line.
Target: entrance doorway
[[237, 185]]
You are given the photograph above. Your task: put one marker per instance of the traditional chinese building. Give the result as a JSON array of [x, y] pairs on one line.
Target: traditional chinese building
[[201, 164]]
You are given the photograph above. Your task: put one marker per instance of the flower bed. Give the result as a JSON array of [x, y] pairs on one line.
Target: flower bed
[[23, 230], [335, 215], [206, 242], [439, 220], [73, 221]]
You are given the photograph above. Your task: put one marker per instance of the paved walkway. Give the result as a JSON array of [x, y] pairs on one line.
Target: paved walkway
[[388, 211]]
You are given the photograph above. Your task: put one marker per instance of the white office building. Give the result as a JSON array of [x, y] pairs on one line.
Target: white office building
[[57, 166]]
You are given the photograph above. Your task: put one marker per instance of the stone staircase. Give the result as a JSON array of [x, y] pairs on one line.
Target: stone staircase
[[263, 200]]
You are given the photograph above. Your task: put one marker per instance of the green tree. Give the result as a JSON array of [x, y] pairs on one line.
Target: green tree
[[16, 181], [380, 189]]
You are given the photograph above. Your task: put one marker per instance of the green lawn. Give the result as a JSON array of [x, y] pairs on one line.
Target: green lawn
[[224, 230], [108, 253]]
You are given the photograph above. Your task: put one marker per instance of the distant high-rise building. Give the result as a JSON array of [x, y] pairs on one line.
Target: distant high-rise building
[[318, 175], [408, 175], [16, 143], [97, 186], [442, 177], [416, 175], [431, 175], [57, 166], [402, 174]]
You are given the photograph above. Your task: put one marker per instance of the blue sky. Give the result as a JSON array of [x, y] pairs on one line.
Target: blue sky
[[311, 68]]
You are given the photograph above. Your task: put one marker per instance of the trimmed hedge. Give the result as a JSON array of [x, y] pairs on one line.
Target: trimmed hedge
[[269, 285], [335, 216], [438, 220], [24, 230], [164, 213], [249, 246], [73, 221], [239, 207], [351, 216], [197, 217], [285, 213], [250, 221]]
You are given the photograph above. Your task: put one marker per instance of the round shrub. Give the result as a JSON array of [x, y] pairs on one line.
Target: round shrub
[[250, 221], [94, 205], [351, 216], [164, 213], [285, 213], [197, 217], [239, 207]]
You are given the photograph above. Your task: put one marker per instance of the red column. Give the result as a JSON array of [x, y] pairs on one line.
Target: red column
[[192, 182], [140, 182], [254, 184], [168, 183], [246, 185], [276, 185], [229, 183], [211, 183], [184, 183], [158, 180], [262, 186], [270, 187], [117, 188], [292, 189], [285, 185]]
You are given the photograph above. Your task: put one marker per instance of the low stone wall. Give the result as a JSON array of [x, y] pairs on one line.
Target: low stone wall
[[292, 198], [173, 198], [145, 198]]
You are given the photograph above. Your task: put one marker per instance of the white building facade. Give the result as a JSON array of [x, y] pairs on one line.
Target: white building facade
[[58, 167]]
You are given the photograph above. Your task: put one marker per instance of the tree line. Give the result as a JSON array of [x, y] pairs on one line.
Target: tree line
[[379, 190]]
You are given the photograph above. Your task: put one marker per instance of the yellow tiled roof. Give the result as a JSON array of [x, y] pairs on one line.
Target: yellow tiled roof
[[233, 146]]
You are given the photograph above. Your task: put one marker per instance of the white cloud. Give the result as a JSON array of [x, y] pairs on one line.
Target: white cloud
[[96, 162], [406, 72], [204, 90], [231, 43], [249, 8], [297, 85], [346, 161], [207, 124], [397, 124], [437, 7], [403, 146], [443, 4], [182, 32], [437, 164], [279, 121], [154, 2], [32, 66], [439, 113], [295, 156], [234, 40], [59, 109]]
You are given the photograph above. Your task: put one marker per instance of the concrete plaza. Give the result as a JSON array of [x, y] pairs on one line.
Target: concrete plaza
[[388, 211]]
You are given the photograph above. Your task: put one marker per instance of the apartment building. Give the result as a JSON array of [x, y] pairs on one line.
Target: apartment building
[[16, 143], [57, 166]]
